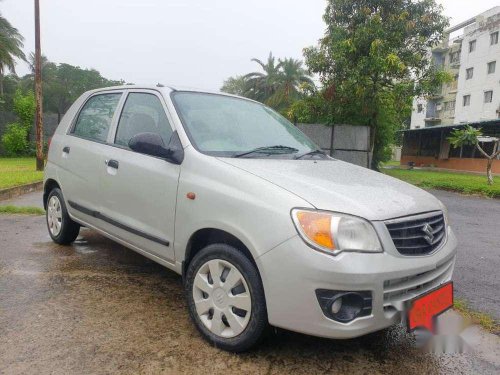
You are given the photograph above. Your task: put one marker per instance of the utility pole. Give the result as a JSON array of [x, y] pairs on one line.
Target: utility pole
[[38, 91]]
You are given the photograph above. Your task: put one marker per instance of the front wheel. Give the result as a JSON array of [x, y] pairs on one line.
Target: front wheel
[[61, 228], [225, 298]]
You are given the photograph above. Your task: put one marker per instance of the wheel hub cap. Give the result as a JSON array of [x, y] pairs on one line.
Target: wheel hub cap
[[222, 298], [54, 215]]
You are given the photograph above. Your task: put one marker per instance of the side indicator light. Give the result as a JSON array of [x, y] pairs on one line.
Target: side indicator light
[[191, 196]]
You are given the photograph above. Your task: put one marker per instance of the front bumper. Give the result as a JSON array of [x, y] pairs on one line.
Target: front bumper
[[292, 272]]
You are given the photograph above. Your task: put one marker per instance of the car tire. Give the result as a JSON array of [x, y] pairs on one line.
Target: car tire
[[61, 228], [229, 309]]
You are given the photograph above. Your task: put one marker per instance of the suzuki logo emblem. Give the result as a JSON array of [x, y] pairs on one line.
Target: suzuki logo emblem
[[429, 236]]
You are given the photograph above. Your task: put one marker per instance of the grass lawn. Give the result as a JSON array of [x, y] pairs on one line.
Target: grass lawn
[[18, 171], [392, 163], [484, 320], [460, 182], [9, 210]]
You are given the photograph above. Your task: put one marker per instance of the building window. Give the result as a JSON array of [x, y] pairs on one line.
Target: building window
[[466, 100], [455, 57], [472, 46], [469, 73], [449, 106], [494, 38], [488, 96], [492, 67], [420, 108]]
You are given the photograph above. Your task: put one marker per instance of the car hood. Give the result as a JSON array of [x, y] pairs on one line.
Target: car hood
[[342, 187]]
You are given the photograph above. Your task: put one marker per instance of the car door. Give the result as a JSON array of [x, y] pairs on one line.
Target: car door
[[83, 152], [139, 191]]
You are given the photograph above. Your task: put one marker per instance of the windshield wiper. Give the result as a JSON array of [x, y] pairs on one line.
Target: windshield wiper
[[278, 149], [310, 153]]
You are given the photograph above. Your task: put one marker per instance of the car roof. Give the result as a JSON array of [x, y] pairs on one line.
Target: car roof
[[167, 89]]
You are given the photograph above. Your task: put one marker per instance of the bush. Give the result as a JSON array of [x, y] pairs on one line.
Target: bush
[[14, 140]]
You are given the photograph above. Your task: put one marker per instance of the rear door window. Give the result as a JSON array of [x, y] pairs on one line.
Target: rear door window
[[142, 113], [94, 120]]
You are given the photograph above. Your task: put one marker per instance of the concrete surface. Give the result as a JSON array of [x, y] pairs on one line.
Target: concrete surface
[[350, 143], [33, 199], [476, 223]]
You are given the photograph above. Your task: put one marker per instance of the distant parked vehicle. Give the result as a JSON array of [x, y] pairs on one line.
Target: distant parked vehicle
[[264, 228]]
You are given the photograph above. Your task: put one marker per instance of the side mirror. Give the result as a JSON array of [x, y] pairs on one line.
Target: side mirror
[[152, 144]]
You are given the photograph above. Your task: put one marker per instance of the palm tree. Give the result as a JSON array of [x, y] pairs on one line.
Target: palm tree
[[11, 44], [261, 86], [292, 82], [31, 62]]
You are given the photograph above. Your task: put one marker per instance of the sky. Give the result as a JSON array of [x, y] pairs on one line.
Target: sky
[[192, 43]]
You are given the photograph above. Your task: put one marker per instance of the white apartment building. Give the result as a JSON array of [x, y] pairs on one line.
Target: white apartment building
[[473, 58]]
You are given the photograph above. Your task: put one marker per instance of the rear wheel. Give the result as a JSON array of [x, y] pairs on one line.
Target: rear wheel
[[61, 228], [225, 298]]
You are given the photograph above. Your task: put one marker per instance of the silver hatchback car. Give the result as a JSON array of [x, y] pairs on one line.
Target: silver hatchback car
[[265, 229]]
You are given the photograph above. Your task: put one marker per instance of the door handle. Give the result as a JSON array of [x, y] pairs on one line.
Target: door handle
[[66, 149], [112, 164]]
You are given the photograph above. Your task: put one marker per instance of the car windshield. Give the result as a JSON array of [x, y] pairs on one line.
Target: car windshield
[[221, 125]]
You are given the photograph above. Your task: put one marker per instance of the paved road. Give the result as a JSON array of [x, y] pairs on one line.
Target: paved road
[[476, 223], [97, 307]]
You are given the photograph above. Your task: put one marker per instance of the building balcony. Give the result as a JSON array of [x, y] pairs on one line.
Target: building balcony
[[441, 47], [432, 121], [435, 96]]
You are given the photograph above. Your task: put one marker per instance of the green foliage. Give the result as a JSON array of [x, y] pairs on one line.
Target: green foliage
[[14, 140], [235, 85], [464, 137], [373, 58], [309, 110], [15, 210], [66, 83], [24, 107], [11, 45], [279, 85]]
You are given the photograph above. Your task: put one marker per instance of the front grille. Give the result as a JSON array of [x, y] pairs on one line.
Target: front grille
[[418, 235], [398, 291]]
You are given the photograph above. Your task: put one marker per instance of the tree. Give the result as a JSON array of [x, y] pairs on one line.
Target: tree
[[373, 58], [24, 107], [291, 83], [235, 85], [16, 139], [11, 44], [470, 136], [262, 85], [65, 83], [281, 83]]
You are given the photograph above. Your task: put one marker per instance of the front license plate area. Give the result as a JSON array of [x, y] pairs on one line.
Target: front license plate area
[[426, 308]]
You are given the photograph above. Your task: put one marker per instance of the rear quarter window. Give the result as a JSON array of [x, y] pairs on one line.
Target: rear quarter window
[[94, 120]]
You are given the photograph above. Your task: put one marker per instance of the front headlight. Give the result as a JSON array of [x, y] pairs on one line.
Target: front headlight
[[334, 233]]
